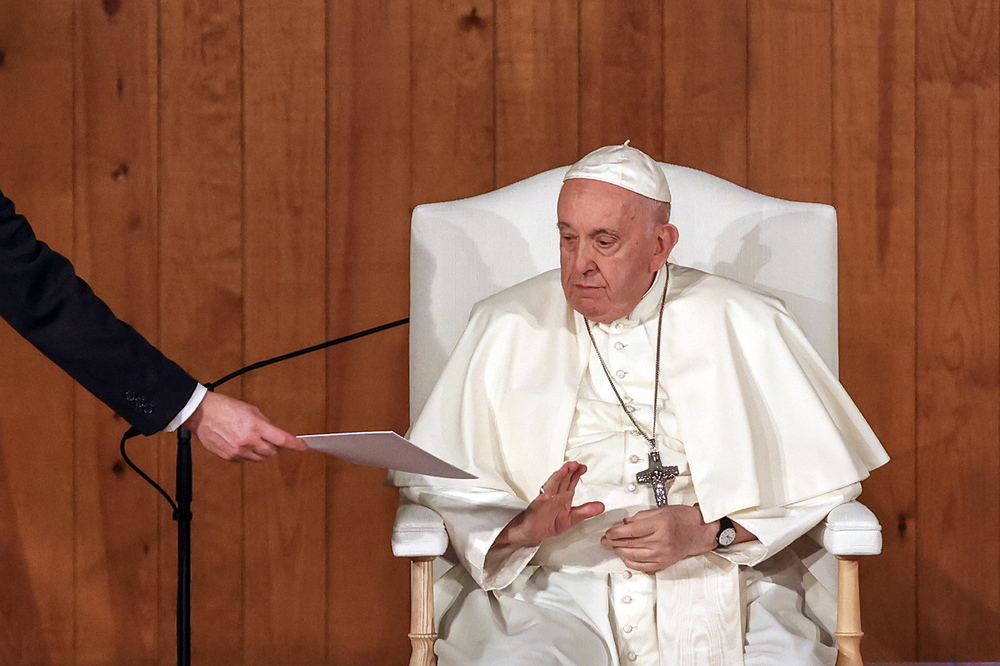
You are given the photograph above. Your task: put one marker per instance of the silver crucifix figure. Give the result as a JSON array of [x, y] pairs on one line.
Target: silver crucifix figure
[[657, 476]]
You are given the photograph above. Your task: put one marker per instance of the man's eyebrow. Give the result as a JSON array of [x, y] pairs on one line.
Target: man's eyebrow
[[609, 232], [596, 232]]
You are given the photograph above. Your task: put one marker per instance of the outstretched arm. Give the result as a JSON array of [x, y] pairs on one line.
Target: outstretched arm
[[55, 310]]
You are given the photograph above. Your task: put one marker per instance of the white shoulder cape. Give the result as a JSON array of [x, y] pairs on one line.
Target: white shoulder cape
[[763, 421]]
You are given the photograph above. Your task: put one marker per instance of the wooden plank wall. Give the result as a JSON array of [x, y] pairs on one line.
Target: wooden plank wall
[[235, 178]]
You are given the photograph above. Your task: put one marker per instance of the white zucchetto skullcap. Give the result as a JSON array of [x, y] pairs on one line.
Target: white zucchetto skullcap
[[626, 167]]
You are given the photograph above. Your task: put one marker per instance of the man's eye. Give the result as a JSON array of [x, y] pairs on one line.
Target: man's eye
[[605, 242]]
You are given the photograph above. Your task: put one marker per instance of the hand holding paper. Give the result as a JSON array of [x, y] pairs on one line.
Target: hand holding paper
[[383, 449]]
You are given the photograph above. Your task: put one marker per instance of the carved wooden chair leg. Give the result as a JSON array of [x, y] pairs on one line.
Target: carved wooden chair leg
[[422, 634], [848, 613]]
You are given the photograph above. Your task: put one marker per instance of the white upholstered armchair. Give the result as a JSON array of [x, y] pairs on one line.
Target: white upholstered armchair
[[463, 251]]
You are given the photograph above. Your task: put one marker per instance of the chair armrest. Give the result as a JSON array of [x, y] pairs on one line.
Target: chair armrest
[[849, 530], [418, 532]]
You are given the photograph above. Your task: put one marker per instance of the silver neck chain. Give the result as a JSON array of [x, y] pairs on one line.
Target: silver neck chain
[[651, 437]]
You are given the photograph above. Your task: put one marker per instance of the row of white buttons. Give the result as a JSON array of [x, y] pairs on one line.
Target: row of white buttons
[[628, 628]]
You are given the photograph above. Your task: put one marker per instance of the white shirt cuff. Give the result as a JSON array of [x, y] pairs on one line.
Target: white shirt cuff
[[508, 570], [192, 404]]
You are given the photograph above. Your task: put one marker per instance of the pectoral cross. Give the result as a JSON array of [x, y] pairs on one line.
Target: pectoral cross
[[657, 476]]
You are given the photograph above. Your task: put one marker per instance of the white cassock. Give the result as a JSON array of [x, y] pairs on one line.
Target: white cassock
[[757, 426]]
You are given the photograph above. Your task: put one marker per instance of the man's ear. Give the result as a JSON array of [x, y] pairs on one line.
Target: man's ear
[[666, 238]]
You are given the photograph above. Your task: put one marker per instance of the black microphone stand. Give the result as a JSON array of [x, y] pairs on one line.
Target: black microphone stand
[[182, 504], [182, 514]]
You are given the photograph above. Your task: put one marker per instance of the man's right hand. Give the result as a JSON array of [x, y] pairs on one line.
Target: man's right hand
[[549, 514], [237, 431]]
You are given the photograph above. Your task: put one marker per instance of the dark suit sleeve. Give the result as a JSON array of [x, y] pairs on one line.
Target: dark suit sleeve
[[46, 302]]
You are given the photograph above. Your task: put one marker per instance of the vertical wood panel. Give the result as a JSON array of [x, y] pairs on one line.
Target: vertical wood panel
[[621, 75], [116, 251], [36, 398], [789, 126], [285, 288], [705, 89], [537, 87], [368, 244], [201, 209], [452, 107], [958, 282], [873, 175]]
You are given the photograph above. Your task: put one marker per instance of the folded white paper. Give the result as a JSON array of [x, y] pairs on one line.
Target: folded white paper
[[383, 449]]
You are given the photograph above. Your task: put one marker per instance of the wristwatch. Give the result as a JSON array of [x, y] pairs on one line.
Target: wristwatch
[[727, 533]]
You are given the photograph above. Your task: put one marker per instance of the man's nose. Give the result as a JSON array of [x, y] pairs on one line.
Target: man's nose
[[584, 260]]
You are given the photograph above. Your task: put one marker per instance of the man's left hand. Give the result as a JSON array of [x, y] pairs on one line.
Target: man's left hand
[[654, 539]]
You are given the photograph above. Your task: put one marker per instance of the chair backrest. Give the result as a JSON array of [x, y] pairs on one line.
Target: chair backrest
[[463, 251]]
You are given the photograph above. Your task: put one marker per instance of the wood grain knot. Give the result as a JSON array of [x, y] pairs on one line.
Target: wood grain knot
[[3, 57], [118, 469], [111, 7], [471, 20], [902, 523], [121, 172]]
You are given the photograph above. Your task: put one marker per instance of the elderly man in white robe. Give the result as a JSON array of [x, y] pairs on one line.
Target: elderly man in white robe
[[649, 440]]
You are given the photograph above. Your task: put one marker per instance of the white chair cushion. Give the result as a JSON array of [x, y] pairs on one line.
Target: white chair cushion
[[850, 530], [418, 532]]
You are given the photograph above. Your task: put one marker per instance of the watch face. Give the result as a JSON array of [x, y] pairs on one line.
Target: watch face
[[727, 537]]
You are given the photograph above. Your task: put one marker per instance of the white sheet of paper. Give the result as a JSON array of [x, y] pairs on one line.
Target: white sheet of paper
[[383, 449]]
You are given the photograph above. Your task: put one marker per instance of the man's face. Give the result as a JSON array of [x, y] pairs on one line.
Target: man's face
[[610, 247]]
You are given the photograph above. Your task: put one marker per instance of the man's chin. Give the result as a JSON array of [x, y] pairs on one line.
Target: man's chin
[[589, 309]]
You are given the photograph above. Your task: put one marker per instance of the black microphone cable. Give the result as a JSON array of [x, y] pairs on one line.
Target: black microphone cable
[[132, 432]]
